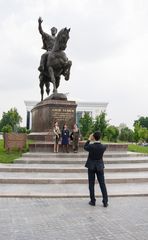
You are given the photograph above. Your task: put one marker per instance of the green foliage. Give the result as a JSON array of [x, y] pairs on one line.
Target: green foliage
[[143, 133], [137, 148], [11, 118], [136, 132], [140, 133], [86, 124], [100, 124], [112, 133], [7, 129], [126, 134], [143, 122], [23, 130], [8, 157]]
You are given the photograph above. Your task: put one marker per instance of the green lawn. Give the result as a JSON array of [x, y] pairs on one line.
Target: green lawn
[[8, 157], [137, 148]]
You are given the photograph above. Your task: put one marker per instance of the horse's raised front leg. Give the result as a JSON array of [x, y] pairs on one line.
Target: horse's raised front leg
[[67, 70], [52, 77]]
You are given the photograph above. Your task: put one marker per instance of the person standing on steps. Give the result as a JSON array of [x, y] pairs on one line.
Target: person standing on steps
[[65, 139], [75, 138], [95, 166], [56, 132]]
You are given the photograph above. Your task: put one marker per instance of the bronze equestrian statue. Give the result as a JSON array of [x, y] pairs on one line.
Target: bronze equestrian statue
[[54, 61]]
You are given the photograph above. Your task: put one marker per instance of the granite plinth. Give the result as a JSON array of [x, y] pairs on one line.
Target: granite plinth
[[48, 147], [39, 136], [46, 112]]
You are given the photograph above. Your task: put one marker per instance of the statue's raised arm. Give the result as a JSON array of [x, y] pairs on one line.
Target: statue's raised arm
[[40, 26], [47, 39]]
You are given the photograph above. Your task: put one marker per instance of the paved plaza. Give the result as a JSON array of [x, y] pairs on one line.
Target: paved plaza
[[73, 219], [44, 196]]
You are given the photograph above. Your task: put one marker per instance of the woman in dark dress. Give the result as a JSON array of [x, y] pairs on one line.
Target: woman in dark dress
[[65, 139]]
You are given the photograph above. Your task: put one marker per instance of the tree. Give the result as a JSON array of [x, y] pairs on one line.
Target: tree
[[143, 134], [11, 118], [126, 134], [137, 131], [100, 123], [143, 122], [86, 123], [140, 133], [112, 133]]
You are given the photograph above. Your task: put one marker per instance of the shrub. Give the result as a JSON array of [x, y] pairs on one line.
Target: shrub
[[7, 129]]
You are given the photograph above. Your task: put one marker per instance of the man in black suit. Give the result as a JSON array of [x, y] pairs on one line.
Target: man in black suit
[[95, 166]]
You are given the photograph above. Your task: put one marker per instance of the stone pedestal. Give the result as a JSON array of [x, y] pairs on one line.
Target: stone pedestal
[[45, 113]]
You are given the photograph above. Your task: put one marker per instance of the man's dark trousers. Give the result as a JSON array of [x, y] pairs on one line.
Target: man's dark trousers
[[100, 177]]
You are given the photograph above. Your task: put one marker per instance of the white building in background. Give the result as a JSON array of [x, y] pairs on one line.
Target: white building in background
[[93, 108]]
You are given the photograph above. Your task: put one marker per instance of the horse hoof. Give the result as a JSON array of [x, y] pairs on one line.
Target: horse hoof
[[67, 78]]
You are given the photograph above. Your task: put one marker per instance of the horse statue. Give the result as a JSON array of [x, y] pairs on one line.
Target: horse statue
[[56, 64]]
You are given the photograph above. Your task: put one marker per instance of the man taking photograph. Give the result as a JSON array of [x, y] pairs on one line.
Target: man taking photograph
[[95, 166]]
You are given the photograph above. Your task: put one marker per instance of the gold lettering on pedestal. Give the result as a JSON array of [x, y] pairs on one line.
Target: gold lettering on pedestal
[[56, 110], [62, 110]]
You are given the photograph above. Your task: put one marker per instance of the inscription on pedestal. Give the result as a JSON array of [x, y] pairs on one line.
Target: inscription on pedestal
[[62, 115]]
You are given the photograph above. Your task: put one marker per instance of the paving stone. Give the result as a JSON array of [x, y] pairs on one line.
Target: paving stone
[[64, 219], [61, 211]]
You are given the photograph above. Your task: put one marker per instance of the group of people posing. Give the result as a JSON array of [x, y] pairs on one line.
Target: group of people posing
[[94, 163], [66, 136]]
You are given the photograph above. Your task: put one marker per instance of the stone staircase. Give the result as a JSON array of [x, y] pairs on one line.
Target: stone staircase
[[42, 174]]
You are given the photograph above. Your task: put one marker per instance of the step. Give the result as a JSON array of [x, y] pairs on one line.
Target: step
[[27, 160], [82, 155], [64, 175], [69, 178], [71, 168], [70, 190]]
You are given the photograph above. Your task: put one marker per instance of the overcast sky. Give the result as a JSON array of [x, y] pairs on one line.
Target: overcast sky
[[108, 46]]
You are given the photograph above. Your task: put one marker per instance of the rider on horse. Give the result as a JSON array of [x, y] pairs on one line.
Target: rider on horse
[[54, 61], [48, 42]]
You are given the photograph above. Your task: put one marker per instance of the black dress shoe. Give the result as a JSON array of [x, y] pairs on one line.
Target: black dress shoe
[[105, 204], [92, 203]]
